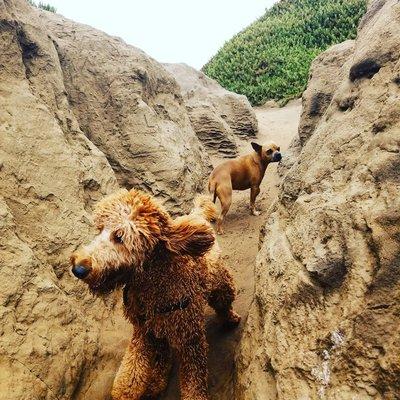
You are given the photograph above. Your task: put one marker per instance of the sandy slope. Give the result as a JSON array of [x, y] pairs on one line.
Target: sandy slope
[[239, 245]]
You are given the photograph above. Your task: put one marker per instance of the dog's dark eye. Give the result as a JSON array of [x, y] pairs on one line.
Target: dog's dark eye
[[269, 151], [118, 238]]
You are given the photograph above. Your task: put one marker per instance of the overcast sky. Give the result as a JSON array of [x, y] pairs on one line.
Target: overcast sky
[[189, 31]]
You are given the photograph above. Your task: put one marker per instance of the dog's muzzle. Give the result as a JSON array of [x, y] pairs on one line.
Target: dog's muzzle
[[80, 271], [277, 156]]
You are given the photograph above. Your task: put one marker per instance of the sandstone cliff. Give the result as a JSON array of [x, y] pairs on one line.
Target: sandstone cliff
[[325, 319], [216, 114], [81, 113]]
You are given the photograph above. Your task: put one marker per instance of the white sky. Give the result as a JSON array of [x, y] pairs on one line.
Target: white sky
[[189, 31]]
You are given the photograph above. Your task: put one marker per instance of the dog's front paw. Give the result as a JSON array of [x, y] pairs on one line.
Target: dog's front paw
[[255, 212]]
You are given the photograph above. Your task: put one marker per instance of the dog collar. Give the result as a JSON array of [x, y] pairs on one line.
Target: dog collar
[[180, 305]]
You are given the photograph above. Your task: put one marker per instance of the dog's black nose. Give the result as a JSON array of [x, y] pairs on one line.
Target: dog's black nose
[[80, 271], [277, 156]]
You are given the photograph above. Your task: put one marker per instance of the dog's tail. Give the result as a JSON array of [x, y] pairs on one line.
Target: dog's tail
[[204, 208]]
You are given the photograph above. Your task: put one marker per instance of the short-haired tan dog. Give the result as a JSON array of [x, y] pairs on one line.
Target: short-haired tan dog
[[246, 172]]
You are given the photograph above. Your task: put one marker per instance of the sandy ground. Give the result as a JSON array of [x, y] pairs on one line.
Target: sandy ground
[[239, 245]]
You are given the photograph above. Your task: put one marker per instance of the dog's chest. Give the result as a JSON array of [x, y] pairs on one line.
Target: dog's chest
[[163, 291]]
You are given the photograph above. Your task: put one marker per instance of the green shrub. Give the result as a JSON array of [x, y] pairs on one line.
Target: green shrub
[[43, 6], [271, 58], [47, 7]]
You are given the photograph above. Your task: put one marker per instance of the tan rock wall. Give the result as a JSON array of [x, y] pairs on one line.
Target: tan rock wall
[[217, 115], [325, 319], [81, 113]]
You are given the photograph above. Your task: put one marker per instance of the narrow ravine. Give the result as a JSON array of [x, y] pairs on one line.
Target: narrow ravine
[[239, 245]]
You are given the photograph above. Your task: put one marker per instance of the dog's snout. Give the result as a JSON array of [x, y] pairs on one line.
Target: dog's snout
[[277, 156], [81, 271], [81, 265]]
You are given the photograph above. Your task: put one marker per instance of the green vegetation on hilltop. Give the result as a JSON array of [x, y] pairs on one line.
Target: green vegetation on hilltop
[[271, 58], [43, 6]]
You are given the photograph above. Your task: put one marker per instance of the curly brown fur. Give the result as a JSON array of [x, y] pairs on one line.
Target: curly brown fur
[[169, 270], [204, 208]]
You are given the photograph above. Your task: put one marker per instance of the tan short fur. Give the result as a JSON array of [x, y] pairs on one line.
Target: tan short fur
[[246, 172]]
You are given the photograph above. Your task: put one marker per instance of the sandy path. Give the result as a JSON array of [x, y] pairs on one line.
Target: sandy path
[[239, 245]]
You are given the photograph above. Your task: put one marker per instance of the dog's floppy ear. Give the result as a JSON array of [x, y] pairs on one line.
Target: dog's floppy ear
[[189, 236], [256, 147]]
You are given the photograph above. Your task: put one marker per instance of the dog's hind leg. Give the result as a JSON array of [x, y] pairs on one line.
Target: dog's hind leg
[[212, 188], [221, 296], [135, 377], [224, 193]]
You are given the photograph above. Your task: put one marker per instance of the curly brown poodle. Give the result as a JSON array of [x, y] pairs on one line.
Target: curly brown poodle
[[169, 270]]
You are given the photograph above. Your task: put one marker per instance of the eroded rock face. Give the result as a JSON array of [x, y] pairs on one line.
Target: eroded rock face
[[325, 320], [326, 73], [132, 110], [216, 114], [81, 113]]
